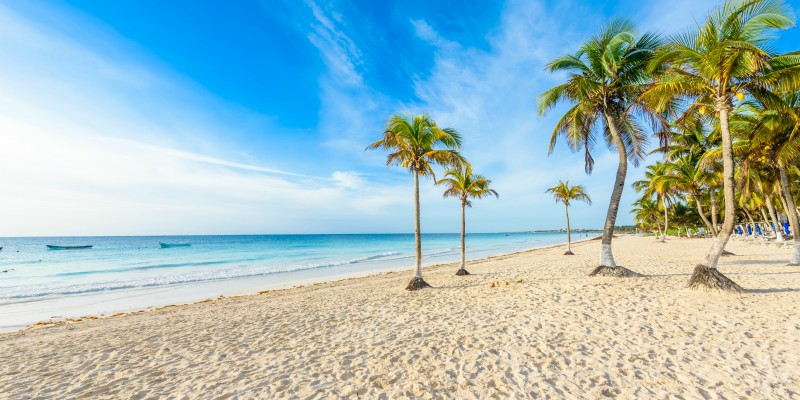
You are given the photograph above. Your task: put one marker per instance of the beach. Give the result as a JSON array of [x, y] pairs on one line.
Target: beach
[[523, 325]]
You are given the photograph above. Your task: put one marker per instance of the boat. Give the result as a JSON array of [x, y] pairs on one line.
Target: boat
[[169, 245], [53, 247]]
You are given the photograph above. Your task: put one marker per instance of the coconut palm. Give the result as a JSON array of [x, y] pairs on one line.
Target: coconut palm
[[462, 184], [605, 78], [683, 215], [725, 59], [653, 184], [773, 143], [418, 143], [564, 193], [645, 213], [687, 148]]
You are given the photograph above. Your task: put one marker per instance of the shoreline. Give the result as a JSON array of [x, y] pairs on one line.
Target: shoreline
[[242, 289], [529, 324]]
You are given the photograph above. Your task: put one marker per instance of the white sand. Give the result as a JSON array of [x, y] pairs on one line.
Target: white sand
[[556, 334]]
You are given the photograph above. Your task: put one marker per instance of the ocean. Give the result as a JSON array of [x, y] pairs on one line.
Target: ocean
[[126, 273]]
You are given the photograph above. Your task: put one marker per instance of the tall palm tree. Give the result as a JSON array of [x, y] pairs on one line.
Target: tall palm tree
[[418, 143], [725, 59], [605, 78], [462, 184], [564, 193]]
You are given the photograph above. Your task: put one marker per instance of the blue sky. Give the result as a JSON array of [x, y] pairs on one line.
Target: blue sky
[[184, 117]]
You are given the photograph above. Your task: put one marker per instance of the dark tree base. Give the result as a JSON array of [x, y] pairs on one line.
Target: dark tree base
[[616, 272], [462, 271], [727, 253], [792, 265], [417, 284], [569, 253], [711, 279]]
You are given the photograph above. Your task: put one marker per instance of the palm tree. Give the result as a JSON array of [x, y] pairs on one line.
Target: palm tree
[[653, 185], [726, 58], [683, 215], [687, 175], [564, 193], [605, 78], [645, 213], [417, 143], [774, 142], [462, 184]]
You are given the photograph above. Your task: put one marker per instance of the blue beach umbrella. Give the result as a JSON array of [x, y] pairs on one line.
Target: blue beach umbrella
[[758, 229], [749, 230], [786, 226], [739, 230]]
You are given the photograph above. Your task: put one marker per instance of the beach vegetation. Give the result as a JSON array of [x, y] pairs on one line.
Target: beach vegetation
[[417, 144], [462, 184], [565, 194], [606, 77]]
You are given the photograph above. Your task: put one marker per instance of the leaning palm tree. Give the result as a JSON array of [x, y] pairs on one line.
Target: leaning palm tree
[[564, 193], [462, 184], [727, 58], [417, 143], [605, 78]]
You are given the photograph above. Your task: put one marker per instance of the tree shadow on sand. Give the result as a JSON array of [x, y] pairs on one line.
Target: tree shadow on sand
[[751, 262], [781, 290]]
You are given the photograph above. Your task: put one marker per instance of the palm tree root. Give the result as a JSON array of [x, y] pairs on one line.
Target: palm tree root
[[711, 279], [727, 253], [617, 272], [462, 271], [417, 283], [569, 253]]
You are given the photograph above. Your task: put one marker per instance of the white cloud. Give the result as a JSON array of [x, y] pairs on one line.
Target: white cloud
[[339, 52], [92, 145]]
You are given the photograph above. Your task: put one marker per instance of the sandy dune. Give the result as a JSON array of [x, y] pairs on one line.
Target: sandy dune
[[552, 332]]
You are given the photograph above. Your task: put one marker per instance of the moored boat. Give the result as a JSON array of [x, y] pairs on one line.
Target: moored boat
[[54, 247], [169, 245]]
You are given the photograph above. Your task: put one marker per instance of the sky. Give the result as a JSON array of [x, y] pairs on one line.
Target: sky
[[139, 117]]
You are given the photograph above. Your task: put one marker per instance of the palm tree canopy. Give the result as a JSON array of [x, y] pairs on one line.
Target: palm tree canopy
[[461, 183], [645, 212], [417, 143], [728, 56], [605, 78], [564, 193]]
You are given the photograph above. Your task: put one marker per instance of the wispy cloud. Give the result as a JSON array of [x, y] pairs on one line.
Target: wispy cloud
[[93, 145], [340, 53]]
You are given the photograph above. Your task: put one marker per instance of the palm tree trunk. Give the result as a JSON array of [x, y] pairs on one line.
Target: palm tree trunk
[[666, 220], [706, 276], [776, 226], [417, 283], [569, 238], [463, 269], [791, 212], [608, 267], [702, 214], [713, 200], [765, 224], [750, 222]]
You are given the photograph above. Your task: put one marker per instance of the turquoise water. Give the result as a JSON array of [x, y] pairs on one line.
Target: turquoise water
[[120, 265]]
